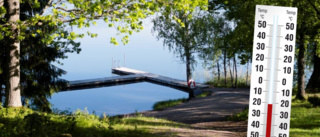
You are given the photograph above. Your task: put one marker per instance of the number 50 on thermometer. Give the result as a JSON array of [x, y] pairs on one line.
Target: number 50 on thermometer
[[272, 71]]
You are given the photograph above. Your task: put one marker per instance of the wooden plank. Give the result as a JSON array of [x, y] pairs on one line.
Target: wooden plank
[[130, 76], [91, 83], [126, 71], [155, 77]]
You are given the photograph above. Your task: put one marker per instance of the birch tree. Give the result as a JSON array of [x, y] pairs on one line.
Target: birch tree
[[184, 36]]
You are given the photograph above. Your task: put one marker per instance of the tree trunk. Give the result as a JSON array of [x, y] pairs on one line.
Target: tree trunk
[[189, 73], [247, 73], [301, 66], [313, 85], [236, 72], [188, 65], [231, 74], [218, 66], [14, 97], [225, 66], [188, 55]]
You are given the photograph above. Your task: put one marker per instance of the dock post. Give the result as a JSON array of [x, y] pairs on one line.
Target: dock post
[[191, 94]]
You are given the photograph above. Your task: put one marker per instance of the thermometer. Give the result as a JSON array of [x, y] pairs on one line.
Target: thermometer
[[272, 71]]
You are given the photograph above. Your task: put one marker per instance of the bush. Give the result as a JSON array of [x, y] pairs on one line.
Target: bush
[[314, 100], [241, 83]]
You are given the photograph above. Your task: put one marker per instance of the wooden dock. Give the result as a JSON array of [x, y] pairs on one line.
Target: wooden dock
[[163, 80], [130, 76], [104, 82]]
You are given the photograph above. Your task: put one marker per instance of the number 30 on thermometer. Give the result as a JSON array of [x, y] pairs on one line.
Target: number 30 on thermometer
[[272, 71]]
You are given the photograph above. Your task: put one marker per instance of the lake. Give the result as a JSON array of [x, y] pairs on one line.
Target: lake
[[144, 52]]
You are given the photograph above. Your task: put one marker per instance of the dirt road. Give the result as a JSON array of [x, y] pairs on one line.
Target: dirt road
[[221, 103], [206, 115]]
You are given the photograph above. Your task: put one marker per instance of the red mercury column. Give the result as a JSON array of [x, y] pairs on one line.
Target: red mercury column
[[269, 118]]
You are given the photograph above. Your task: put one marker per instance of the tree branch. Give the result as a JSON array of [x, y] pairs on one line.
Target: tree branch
[[46, 7], [315, 8], [66, 10]]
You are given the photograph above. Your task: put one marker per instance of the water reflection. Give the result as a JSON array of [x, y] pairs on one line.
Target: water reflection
[[117, 99]]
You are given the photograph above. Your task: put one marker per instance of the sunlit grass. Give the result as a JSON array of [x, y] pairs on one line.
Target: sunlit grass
[[168, 103], [174, 102], [26, 122], [305, 120], [204, 94], [241, 116]]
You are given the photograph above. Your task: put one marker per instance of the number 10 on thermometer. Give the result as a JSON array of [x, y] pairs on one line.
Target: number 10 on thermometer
[[272, 71]]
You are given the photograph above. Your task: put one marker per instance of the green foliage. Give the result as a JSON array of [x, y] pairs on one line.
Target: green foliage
[[304, 119], [315, 100], [183, 31], [26, 122], [174, 102], [204, 94], [243, 115], [80, 13], [39, 78], [48, 23], [241, 82], [182, 39], [168, 103]]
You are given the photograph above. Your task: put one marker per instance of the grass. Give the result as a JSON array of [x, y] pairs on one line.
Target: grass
[[304, 120], [174, 102], [168, 103], [204, 94], [242, 116], [241, 83], [26, 122]]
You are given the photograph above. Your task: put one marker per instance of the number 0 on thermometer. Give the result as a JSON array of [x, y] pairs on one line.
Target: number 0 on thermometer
[[272, 71]]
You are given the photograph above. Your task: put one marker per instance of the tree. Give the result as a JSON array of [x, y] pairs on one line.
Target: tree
[[307, 31], [313, 83], [211, 52], [80, 13], [184, 35], [39, 79], [218, 41]]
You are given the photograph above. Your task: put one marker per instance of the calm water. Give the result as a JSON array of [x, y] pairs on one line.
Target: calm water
[[143, 52], [116, 99]]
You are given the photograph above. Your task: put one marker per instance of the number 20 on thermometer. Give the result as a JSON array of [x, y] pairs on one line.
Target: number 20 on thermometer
[[272, 71]]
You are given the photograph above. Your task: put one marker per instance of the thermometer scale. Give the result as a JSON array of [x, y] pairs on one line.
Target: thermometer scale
[[272, 71]]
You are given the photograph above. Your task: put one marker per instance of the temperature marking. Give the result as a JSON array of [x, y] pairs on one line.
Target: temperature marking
[[272, 71]]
